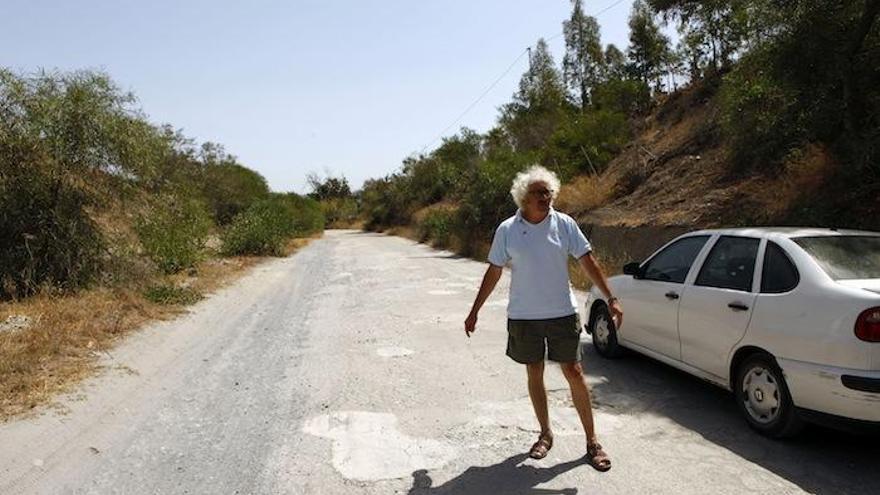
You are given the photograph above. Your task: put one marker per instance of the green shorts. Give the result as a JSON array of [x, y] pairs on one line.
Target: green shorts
[[559, 338]]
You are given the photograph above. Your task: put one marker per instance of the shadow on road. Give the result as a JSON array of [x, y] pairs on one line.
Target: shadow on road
[[820, 460], [507, 477], [441, 255]]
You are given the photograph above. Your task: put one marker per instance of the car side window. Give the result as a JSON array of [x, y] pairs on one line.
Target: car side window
[[779, 274], [673, 263], [730, 264]]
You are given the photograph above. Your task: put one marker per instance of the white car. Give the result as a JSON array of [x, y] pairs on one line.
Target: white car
[[786, 318]]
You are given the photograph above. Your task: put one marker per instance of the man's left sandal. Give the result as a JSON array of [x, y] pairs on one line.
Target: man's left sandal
[[597, 457]]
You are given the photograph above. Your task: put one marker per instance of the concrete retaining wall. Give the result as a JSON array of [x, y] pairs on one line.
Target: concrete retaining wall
[[615, 246]]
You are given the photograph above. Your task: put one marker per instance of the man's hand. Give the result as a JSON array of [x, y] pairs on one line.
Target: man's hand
[[490, 278], [470, 324], [616, 313]]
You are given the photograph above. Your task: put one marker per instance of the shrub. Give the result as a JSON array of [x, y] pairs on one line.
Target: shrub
[[263, 228], [308, 215], [488, 201], [761, 116], [339, 211], [438, 225], [48, 239], [174, 233], [231, 188], [172, 294], [60, 142]]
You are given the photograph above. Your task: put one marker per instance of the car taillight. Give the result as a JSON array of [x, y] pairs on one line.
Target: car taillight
[[868, 325]]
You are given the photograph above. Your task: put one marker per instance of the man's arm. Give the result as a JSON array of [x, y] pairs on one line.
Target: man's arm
[[490, 278], [594, 271]]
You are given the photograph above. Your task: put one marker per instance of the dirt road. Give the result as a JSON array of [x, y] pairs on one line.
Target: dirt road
[[344, 369]]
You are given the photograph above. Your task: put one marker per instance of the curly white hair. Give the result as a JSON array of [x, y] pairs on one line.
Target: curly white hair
[[535, 173]]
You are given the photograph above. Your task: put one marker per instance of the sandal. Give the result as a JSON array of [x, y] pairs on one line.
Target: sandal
[[541, 447], [597, 457]]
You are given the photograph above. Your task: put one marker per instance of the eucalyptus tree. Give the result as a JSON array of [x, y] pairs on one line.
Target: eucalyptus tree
[[582, 64]]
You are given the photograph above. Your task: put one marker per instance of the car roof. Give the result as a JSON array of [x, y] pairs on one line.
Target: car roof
[[789, 232]]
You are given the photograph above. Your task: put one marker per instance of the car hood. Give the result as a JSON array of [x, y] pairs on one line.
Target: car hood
[[870, 284]]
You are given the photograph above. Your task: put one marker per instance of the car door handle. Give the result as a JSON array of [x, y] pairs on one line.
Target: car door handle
[[672, 295], [738, 306]]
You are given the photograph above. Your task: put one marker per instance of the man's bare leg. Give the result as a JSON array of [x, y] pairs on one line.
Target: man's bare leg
[[538, 394], [580, 395]]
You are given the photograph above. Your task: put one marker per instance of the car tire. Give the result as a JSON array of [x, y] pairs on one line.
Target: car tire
[[604, 334], [763, 398]]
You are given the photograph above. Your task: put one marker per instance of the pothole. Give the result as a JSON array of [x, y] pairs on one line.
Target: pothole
[[368, 446]]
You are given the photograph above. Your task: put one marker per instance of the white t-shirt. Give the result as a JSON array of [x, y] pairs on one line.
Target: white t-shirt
[[538, 258]]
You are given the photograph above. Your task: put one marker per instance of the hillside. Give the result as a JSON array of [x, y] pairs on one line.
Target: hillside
[[677, 171]]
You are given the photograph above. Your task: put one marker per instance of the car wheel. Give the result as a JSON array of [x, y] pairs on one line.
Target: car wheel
[[763, 398], [604, 334]]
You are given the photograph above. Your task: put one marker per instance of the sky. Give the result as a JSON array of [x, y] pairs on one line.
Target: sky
[[292, 87]]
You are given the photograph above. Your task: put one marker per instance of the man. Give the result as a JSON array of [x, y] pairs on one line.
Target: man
[[542, 310]]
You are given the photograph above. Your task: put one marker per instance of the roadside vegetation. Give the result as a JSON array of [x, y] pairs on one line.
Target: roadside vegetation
[[762, 105], [108, 220]]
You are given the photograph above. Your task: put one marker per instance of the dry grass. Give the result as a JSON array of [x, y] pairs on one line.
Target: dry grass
[[64, 339], [807, 175], [611, 264], [354, 224], [585, 193], [67, 335], [405, 231]]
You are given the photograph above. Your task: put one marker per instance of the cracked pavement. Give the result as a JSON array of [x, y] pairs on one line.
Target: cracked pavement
[[345, 369]]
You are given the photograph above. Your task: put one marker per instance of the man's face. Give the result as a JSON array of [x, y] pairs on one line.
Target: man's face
[[538, 197]]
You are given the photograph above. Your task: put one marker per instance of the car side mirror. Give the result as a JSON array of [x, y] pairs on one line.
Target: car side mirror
[[633, 269]]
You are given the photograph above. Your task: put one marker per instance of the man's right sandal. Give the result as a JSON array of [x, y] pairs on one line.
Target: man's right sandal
[[541, 447]]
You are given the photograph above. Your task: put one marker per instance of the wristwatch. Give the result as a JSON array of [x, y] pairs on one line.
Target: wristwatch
[[612, 300]]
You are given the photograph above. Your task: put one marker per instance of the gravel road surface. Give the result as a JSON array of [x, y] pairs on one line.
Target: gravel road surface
[[344, 369]]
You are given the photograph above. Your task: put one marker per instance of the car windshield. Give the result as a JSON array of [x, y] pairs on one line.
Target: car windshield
[[845, 257]]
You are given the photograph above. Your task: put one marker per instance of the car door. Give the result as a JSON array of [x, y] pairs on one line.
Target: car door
[[715, 310], [653, 297]]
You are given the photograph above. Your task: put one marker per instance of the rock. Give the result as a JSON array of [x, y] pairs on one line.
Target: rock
[[15, 323]]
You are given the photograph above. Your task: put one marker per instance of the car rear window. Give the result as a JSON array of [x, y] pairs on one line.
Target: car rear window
[[845, 257]]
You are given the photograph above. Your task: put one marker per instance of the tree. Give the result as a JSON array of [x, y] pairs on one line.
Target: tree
[[648, 48], [583, 60], [720, 25], [541, 87], [331, 187], [539, 103], [615, 63]]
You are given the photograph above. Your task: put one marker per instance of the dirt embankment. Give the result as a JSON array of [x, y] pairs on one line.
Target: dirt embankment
[[677, 174]]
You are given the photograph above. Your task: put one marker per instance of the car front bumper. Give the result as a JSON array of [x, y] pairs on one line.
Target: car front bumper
[[835, 391]]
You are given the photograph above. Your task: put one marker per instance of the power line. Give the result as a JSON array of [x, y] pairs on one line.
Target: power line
[[491, 86], [472, 105], [597, 14]]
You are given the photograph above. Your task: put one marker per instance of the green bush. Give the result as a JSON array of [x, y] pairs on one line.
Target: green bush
[[339, 211], [174, 233], [172, 294], [61, 147], [263, 228], [761, 116], [488, 201], [308, 215], [438, 226], [231, 188], [47, 237], [585, 143]]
